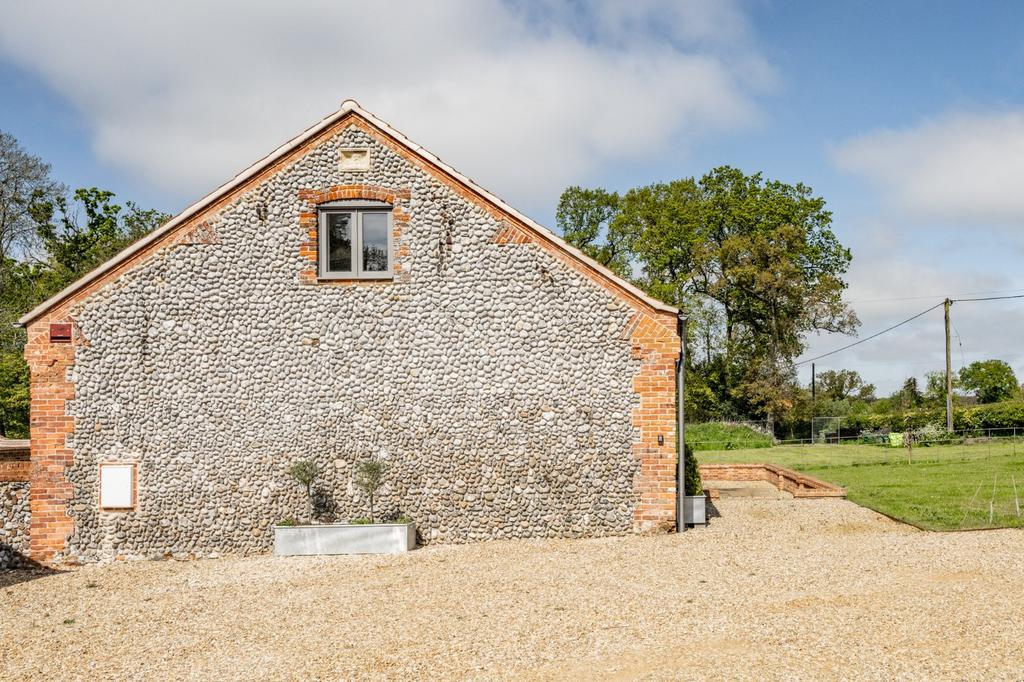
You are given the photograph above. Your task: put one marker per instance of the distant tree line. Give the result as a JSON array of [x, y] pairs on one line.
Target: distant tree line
[[49, 237], [843, 393]]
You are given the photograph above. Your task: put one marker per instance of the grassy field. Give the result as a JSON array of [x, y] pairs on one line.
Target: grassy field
[[948, 487]]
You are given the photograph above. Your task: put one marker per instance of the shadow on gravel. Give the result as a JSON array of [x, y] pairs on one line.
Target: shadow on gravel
[[21, 569]]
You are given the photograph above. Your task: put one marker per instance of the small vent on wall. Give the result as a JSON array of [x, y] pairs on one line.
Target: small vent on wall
[[354, 160], [60, 332]]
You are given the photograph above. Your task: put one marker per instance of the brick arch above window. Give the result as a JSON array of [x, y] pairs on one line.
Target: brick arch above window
[[393, 196], [308, 220]]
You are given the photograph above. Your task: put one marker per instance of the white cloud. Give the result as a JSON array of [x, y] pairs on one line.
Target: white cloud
[[526, 98], [958, 168]]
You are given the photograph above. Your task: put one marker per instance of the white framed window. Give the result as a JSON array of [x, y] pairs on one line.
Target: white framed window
[[355, 240], [117, 486]]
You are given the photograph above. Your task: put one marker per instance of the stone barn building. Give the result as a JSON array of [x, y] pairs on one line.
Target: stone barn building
[[349, 296]]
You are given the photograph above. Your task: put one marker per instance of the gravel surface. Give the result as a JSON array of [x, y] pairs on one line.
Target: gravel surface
[[774, 589]]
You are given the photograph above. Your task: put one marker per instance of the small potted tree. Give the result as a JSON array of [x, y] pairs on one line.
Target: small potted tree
[[305, 473], [369, 478], [694, 501], [359, 535]]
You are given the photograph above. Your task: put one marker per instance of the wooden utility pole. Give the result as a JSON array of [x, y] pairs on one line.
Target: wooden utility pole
[[949, 372], [814, 388], [814, 397]]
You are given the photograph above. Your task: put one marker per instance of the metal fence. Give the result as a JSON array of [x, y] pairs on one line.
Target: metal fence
[[924, 437], [826, 429]]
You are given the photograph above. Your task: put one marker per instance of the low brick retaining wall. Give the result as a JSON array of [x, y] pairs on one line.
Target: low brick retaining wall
[[13, 469], [14, 506], [793, 482]]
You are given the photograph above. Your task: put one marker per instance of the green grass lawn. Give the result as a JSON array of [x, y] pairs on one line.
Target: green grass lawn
[[946, 487]]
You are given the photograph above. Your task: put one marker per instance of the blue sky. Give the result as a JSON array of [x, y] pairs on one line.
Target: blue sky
[[908, 117]]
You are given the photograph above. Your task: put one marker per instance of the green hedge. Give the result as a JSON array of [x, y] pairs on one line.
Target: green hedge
[[725, 436], [1009, 414]]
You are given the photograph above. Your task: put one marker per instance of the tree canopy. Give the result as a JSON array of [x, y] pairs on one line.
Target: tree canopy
[[989, 380], [753, 261], [844, 384], [24, 182]]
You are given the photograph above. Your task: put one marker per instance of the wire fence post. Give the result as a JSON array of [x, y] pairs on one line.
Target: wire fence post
[[1016, 500], [992, 500]]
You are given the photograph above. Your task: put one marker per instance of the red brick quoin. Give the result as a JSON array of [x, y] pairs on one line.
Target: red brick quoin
[[656, 345], [49, 491]]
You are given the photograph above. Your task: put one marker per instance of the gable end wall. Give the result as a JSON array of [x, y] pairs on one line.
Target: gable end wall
[[513, 391]]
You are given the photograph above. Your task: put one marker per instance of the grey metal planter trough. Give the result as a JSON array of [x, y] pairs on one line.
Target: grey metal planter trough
[[344, 538], [695, 510]]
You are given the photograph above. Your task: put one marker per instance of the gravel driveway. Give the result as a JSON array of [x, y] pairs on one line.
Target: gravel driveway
[[774, 589]]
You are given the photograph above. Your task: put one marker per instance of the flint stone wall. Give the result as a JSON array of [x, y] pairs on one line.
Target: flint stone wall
[[15, 519], [495, 381]]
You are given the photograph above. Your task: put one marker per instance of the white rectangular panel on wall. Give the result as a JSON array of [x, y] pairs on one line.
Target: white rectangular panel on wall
[[117, 486]]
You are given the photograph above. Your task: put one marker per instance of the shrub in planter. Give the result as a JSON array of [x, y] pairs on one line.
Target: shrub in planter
[[359, 535], [400, 519], [305, 473], [369, 478], [691, 473]]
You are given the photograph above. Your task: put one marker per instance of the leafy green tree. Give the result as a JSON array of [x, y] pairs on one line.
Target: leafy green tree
[[910, 395], [844, 384], [584, 215], [989, 380], [83, 232], [14, 395], [19, 292], [755, 259], [935, 388]]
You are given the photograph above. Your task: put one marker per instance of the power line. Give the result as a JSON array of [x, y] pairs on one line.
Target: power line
[[932, 296], [909, 319], [868, 338], [987, 298]]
